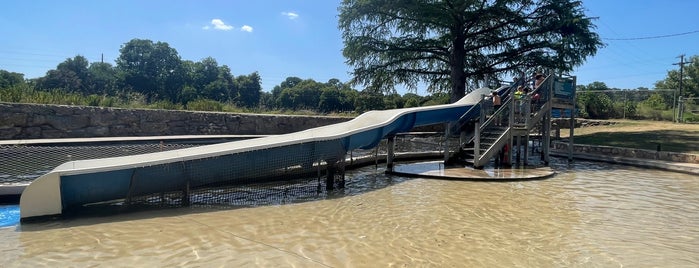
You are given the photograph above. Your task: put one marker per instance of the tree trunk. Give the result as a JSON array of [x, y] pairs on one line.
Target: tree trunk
[[458, 76]]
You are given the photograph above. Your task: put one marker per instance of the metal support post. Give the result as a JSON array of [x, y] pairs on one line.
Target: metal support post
[[390, 155]]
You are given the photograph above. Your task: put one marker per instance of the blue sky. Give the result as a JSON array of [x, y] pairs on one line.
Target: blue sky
[[300, 38]]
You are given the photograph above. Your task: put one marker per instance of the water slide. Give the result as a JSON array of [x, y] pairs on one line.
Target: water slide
[[77, 183]]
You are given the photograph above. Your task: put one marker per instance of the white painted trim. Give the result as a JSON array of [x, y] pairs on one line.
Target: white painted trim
[[42, 197]]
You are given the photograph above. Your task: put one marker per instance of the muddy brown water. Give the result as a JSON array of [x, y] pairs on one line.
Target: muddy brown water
[[588, 215]]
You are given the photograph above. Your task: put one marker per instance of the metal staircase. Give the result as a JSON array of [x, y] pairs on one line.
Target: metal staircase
[[483, 139]]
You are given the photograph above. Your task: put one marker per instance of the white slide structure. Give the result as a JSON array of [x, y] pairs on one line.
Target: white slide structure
[[78, 183]]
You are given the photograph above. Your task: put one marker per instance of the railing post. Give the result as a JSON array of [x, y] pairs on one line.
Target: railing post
[[527, 111], [477, 145], [512, 111], [481, 117], [547, 123], [447, 127]]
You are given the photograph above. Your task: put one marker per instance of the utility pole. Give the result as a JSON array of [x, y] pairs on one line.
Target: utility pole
[[681, 64]]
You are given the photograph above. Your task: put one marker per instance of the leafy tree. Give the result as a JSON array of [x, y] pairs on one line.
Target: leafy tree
[[690, 81], [369, 100], [393, 101], [220, 86], [444, 43], [289, 82], [287, 99], [656, 101], [188, 94], [153, 69], [597, 85], [594, 105], [266, 100], [8, 79], [330, 100], [102, 79], [412, 100], [70, 75], [249, 88], [436, 99], [205, 71], [348, 97]]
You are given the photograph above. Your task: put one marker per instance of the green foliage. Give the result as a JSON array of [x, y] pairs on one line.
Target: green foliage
[[205, 105], [249, 88], [656, 102], [624, 110], [645, 111], [690, 81], [597, 101], [595, 106], [102, 79], [436, 99], [8, 79], [165, 105], [446, 43], [690, 117], [151, 75], [412, 102], [14, 93], [151, 68], [367, 101]]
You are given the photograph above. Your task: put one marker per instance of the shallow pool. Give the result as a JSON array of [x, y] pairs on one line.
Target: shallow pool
[[589, 214]]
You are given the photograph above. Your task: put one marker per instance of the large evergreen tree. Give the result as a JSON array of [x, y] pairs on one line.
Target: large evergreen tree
[[444, 43]]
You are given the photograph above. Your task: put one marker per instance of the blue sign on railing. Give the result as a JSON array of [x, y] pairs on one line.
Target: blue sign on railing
[[564, 88]]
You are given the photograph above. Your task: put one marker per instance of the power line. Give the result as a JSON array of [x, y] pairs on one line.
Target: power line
[[652, 37]]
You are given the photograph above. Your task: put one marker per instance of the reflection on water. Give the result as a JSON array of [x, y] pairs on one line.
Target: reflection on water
[[590, 214]]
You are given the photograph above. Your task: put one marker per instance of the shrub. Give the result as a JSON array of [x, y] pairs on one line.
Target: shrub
[[205, 105], [165, 105]]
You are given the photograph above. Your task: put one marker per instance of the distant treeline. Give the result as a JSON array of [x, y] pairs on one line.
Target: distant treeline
[[152, 74]]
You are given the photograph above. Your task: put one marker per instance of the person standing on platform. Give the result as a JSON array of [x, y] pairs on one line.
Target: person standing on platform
[[497, 102]]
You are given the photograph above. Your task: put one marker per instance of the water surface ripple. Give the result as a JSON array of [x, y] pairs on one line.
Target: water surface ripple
[[589, 215]]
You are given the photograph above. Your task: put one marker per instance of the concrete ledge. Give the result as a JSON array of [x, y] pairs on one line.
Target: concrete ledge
[[687, 168], [628, 152]]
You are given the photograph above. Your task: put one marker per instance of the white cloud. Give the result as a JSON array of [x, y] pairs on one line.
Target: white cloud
[[246, 28], [290, 15], [218, 24]]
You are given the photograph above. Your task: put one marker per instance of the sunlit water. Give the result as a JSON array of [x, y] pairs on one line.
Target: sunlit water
[[589, 215]]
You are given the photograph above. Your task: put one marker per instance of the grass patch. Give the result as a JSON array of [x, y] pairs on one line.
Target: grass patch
[[668, 140], [681, 138]]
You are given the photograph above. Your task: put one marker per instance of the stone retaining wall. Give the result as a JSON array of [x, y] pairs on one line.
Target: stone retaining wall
[[36, 121], [627, 152], [564, 123]]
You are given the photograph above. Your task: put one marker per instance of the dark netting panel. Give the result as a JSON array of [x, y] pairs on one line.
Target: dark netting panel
[[269, 176], [279, 175], [23, 164], [236, 179], [421, 143]]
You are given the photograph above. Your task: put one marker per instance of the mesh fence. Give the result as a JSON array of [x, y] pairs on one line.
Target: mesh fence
[[688, 110], [269, 176], [659, 104], [22, 164]]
